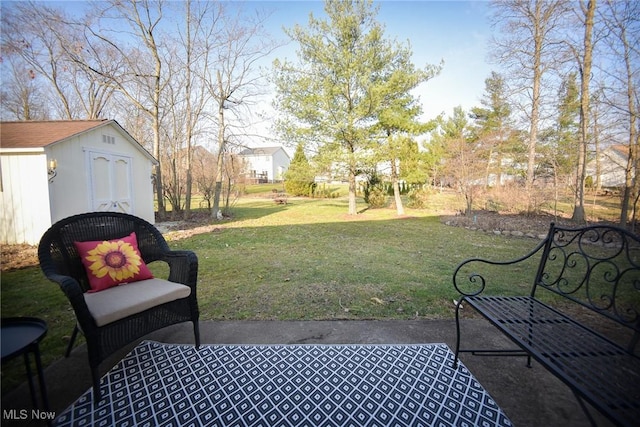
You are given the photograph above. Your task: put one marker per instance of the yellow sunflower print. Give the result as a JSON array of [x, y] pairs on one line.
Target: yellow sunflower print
[[117, 258]]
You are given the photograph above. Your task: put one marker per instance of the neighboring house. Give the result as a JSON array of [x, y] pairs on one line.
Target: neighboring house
[[265, 164], [613, 163], [54, 169]]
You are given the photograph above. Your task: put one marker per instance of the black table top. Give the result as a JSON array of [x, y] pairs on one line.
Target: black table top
[[20, 332]]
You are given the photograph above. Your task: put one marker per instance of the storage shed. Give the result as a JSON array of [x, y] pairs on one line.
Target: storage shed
[[54, 169]]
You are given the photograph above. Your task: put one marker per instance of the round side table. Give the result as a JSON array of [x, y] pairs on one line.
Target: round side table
[[21, 336]]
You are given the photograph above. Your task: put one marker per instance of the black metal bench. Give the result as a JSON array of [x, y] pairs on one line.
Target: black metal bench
[[597, 268]]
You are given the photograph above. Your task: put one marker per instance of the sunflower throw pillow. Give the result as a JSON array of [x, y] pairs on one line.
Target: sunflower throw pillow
[[109, 263]]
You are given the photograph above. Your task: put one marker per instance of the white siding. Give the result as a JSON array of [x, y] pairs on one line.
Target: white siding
[[29, 203], [262, 164], [71, 190], [24, 198], [612, 169], [280, 164], [271, 163]]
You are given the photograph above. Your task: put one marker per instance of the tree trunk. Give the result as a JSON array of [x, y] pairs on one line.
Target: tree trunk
[[189, 184], [626, 192], [468, 196], [632, 178], [535, 105], [597, 184], [158, 169], [221, 151], [585, 77], [353, 210], [219, 166], [396, 188], [189, 129]]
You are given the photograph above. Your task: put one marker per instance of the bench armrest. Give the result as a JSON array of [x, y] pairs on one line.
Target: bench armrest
[[472, 276]]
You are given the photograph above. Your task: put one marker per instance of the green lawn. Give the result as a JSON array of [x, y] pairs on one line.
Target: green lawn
[[304, 260]]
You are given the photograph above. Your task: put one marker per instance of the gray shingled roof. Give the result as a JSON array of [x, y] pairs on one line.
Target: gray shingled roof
[[259, 151]]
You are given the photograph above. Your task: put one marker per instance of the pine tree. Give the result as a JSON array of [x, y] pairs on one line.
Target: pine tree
[[333, 96], [494, 126], [299, 178]]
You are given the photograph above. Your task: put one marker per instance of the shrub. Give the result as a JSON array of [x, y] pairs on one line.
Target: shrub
[[299, 188], [377, 198], [375, 193], [418, 198], [324, 191], [299, 179]]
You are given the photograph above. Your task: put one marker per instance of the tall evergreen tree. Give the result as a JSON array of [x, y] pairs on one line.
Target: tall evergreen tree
[[494, 124], [559, 144], [567, 128], [333, 96], [398, 117]]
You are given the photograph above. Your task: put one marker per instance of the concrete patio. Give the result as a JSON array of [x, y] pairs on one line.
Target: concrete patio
[[529, 396]]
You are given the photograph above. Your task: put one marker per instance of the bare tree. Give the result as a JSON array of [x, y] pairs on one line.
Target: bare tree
[[585, 60], [39, 35], [528, 49], [622, 20], [201, 26], [204, 164], [186, 100], [465, 160], [139, 74], [234, 169], [175, 155], [21, 96], [232, 78]]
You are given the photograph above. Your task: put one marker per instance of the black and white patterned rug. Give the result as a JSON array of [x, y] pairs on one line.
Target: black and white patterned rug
[[287, 385]]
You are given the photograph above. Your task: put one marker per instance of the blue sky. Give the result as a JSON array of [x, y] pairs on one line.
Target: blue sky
[[454, 31]]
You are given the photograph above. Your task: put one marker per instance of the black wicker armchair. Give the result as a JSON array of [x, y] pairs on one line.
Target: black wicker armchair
[[115, 317]]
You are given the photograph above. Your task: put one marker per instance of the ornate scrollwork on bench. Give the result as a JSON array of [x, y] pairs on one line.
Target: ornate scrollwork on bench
[[597, 268]]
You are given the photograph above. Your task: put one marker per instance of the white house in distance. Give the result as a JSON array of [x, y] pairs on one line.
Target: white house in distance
[[55, 169], [613, 163], [265, 164]]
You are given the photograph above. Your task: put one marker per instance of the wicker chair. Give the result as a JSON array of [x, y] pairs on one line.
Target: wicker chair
[[62, 264]]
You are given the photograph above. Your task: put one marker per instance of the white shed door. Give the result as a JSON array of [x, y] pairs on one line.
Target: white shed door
[[110, 182]]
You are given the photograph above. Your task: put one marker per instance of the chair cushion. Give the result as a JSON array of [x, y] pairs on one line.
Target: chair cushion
[[109, 263], [122, 301]]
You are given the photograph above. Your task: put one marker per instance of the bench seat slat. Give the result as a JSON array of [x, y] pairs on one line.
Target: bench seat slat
[[583, 359]]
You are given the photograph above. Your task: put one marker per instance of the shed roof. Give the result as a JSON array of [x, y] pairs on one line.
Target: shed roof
[[37, 134], [40, 134]]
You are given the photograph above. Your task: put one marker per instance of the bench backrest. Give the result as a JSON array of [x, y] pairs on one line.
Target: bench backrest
[[597, 267]]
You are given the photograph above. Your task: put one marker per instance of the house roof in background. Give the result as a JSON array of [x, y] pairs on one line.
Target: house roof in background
[[260, 151], [621, 150], [38, 134]]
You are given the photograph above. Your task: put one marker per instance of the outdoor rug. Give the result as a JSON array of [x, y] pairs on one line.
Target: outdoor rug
[[287, 385]]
